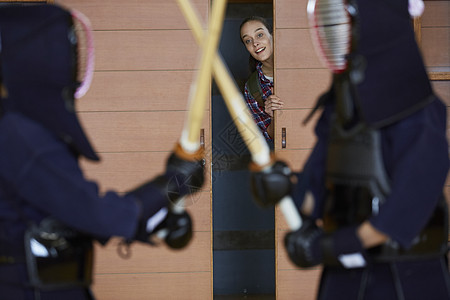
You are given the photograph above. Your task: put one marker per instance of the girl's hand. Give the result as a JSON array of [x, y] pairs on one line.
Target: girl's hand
[[272, 103]]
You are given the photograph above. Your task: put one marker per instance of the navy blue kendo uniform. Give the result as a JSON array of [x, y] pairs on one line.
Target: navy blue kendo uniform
[[381, 156], [41, 181]]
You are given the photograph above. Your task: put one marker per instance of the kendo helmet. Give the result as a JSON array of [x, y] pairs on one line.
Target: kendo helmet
[[392, 81], [39, 69]]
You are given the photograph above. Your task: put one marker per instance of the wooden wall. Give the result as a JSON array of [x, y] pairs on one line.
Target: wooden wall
[[134, 113], [300, 78]]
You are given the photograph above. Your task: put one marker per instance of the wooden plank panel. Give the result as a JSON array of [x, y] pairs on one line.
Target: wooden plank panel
[[294, 49], [291, 14], [155, 259], [125, 170], [136, 131], [200, 210], [126, 174], [297, 284], [300, 88], [283, 261], [199, 207], [141, 14], [442, 89], [138, 91], [298, 136], [145, 50], [436, 13], [447, 193], [436, 47], [186, 286], [294, 158]]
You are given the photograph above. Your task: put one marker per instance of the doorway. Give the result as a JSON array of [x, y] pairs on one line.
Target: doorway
[[243, 233]]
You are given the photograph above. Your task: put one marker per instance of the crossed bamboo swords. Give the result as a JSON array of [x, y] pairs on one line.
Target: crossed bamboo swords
[[212, 63]]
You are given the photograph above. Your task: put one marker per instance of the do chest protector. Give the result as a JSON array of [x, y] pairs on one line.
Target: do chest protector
[[356, 181], [358, 185]]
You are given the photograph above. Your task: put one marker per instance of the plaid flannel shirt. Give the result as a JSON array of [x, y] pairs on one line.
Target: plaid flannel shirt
[[261, 118]]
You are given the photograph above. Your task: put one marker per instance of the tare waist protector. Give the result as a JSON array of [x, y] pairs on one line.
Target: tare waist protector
[[57, 256]]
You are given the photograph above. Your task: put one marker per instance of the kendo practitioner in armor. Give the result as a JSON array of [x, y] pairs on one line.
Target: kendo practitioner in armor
[[50, 214], [379, 220]]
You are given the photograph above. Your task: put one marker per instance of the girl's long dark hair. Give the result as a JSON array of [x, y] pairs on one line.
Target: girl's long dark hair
[[251, 61]]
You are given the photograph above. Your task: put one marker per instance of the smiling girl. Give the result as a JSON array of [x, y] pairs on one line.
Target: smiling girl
[[256, 35]]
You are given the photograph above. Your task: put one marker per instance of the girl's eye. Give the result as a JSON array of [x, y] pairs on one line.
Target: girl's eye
[[247, 41], [260, 35]]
